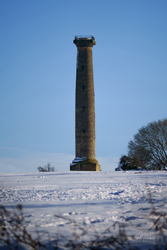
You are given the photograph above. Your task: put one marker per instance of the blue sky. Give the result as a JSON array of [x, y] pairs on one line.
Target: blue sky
[[38, 70]]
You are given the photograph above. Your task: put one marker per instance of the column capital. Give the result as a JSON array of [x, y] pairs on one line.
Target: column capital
[[88, 41]]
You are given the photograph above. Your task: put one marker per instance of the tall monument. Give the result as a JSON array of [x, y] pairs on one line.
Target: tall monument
[[84, 108]]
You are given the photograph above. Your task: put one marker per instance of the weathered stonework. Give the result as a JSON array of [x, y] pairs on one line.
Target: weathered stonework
[[85, 108], [85, 167]]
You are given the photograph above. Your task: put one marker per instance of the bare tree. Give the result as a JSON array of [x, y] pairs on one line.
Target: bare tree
[[46, 168], [149, 145]]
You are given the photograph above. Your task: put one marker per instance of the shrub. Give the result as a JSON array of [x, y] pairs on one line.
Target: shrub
[[46, 168], [128, 163]]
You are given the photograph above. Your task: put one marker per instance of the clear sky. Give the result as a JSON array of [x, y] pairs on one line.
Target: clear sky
[[38, 71]]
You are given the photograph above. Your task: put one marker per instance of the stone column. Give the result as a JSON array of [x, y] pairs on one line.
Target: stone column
[[84, 108]]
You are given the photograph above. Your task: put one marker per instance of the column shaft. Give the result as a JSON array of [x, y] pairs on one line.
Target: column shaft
[[85, 108]]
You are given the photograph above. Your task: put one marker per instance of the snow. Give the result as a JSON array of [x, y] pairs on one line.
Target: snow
[[91, 198], [77, 160]]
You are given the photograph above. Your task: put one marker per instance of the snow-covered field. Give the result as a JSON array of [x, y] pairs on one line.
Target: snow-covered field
[[97, 199]]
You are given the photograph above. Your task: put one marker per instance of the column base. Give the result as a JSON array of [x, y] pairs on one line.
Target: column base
[[84, 164]]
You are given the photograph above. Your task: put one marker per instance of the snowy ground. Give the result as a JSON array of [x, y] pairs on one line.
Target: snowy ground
[[91, 198]]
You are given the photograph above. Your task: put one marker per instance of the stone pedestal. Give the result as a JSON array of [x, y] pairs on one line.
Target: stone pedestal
[[79, 164]]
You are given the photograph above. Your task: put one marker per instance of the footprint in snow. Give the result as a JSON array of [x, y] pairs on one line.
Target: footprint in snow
[[157, 184], [131, 218], [116, 193], [27, 216], [39, 177], [73, 213], [129, 211], [97, 220], [144, 208]]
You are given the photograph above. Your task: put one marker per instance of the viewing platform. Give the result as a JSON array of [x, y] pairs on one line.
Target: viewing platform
[[84, 41]]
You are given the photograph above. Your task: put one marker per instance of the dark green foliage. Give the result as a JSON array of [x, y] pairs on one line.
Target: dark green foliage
[[128, 163]]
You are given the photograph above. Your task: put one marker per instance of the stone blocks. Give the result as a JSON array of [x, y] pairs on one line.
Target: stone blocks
[[85, 107]]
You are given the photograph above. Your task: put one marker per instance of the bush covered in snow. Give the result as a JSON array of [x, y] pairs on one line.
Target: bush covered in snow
[[46, 168]]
